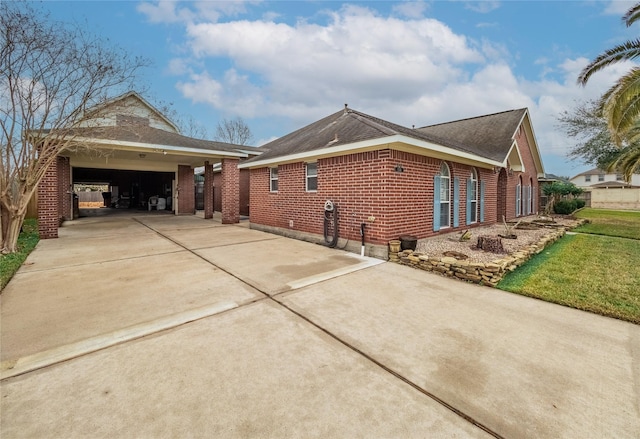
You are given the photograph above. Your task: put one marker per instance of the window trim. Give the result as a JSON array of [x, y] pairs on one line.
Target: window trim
[[307, 176], [587, 178], [273, 179], [473, 201], [445, 178]]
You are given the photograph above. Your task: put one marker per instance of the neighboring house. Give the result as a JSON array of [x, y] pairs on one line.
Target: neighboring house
[[394, 180], [609, 190], [131, 146], [600, 178]]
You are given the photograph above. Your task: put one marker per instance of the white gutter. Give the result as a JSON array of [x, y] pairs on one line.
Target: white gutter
[[369, 144], [157, 148]]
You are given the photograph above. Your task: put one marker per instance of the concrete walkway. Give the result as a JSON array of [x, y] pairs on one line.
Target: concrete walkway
[[163, 326]]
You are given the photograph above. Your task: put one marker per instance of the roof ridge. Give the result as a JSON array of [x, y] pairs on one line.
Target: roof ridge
[[474, 117]]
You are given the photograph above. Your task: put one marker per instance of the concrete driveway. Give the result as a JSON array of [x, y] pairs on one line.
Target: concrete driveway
[[163, 326]]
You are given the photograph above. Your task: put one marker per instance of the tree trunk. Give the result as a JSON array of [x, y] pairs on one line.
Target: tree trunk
[[10, 223]]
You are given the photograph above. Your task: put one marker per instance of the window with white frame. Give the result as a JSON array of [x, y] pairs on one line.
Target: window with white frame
[[311, 171], [445, 196], [273, 179], [587, 178], [619, 177], [600, 177], [472, 197]]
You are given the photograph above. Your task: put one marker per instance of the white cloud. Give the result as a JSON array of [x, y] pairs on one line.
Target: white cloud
[[357, 55], [411, 9], [482, 6], [619, 7], [164, 11], [408, 71]]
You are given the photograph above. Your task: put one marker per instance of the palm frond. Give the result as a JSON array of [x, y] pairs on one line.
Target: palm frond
[[621, 105], [627, 51], [631, 15], [627, 162]]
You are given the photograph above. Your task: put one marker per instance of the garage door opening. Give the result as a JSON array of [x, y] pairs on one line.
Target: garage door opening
[[111, 191]]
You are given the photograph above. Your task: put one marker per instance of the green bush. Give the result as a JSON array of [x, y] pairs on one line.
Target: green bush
[[565, 207], [580, 204]]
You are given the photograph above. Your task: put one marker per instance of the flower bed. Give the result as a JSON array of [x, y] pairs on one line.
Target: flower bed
[[478, 266]]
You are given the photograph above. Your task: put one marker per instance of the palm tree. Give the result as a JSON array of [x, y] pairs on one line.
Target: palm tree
[[620, 105]]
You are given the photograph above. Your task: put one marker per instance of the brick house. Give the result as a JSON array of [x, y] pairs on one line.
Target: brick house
[[389, 180], [131, 146]]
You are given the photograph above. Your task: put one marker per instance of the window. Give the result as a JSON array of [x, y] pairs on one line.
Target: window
[[619, 177], [273, 179], [587, 178], [472, 198], [445, 195], [312, 177], [600, 177]]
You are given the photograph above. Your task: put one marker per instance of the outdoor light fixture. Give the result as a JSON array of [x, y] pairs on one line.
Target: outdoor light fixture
[[399, 168], [142, 155]]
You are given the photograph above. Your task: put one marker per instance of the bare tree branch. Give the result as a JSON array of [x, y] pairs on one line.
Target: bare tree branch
[[234, 131], [50, 75]]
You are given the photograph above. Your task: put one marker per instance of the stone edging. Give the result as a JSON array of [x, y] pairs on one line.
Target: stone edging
[[488, 274]]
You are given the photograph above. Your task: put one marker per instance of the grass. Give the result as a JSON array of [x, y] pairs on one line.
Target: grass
[[27, 241], [597, 272], [624, 224]]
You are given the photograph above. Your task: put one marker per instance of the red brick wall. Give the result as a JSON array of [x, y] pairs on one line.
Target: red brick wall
[[48, 219], [244, 191], [64, 188], [186, 190], [208, 190], [530, 175], [363, 185], [217, 192], [230, 191], [245, 175]]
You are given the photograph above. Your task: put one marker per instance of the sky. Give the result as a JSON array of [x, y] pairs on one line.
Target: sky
[[280, 65]]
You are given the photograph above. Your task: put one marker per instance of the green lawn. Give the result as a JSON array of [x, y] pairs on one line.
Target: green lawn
[[591, 272], [624, 224], [28, 239]]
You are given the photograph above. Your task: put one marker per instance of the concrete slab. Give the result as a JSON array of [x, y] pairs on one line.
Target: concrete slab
[[257, 371], [173, 222], [201, 237], [277, 265], [46, 309], [119, 225], [522, 367], [85, 249]]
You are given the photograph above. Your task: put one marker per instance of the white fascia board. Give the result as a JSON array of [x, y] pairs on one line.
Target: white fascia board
[[371, 144], [520, 166], [137, 146]]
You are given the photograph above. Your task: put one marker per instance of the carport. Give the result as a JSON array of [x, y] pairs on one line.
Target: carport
[[130, 145]]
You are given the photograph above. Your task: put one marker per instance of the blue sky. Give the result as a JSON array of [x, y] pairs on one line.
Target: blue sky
[[283, 64]]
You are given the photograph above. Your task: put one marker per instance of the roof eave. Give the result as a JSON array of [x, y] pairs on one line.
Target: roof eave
[[419, 146], [138, 146]]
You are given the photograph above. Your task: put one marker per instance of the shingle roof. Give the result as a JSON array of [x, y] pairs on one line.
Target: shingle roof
[[153, 136], [349, 126], [490, 136]]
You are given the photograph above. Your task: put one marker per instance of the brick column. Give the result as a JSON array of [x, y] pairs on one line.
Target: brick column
[[48, 203], [65, 209], [186, 191], [208, 190], [230, 191]]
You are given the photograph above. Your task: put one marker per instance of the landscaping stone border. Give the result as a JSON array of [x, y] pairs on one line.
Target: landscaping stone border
[[488, 274]]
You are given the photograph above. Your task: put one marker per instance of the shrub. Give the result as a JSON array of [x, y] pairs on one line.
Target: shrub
[[580, 204], [564, 207]]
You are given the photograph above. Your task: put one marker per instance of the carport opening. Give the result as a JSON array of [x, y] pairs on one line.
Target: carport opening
[[115, 190]]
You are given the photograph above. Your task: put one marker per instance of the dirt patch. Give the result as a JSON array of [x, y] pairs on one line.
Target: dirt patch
[[529, 232]]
